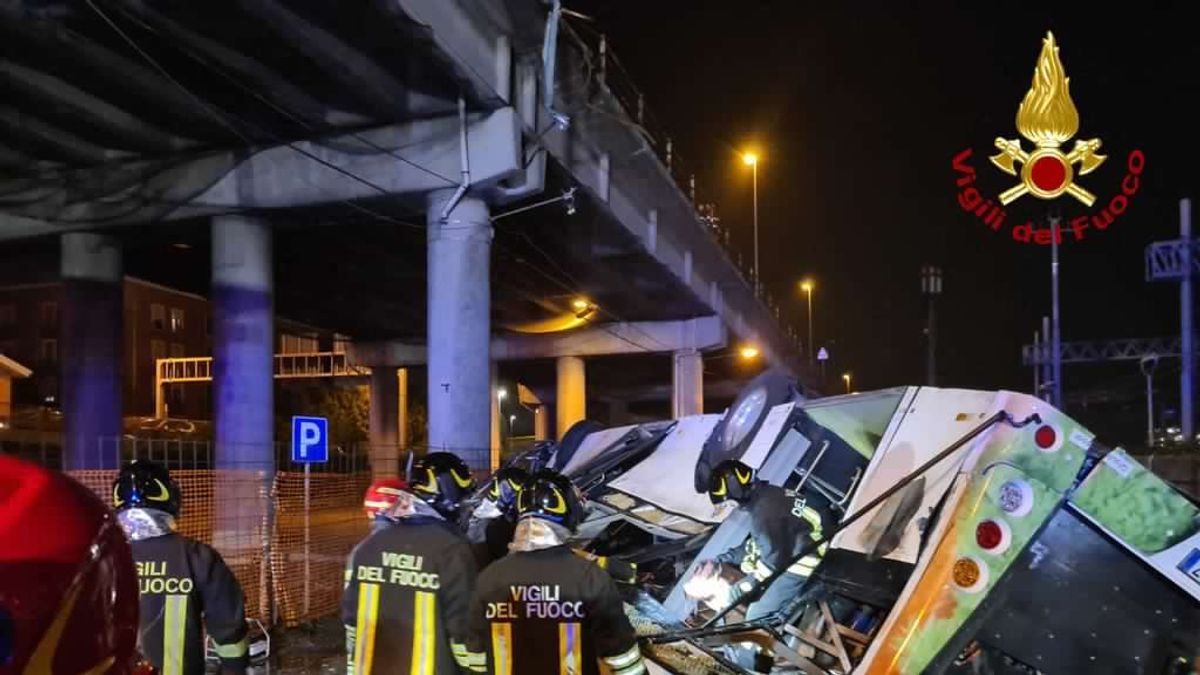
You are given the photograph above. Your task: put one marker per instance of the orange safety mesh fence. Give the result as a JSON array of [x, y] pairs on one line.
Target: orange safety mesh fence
[[235, 525], [336, 524]]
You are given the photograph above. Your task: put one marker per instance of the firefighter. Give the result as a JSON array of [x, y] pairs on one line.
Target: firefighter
[[68, 590], [381, 496], [186, 588], [544, 609], [781, 526], [492, 523], [408, 586]]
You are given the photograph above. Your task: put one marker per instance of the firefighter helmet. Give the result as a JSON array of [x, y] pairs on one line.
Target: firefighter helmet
[[69, 601], [442, 480], [731, 479], [382, 495], [505, 485], [146, 485], [551, 496]]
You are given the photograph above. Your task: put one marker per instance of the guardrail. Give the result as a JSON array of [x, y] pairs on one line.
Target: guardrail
[[605, 70]]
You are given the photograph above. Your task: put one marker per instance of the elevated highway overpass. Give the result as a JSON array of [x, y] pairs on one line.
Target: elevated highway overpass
[[441, 173]]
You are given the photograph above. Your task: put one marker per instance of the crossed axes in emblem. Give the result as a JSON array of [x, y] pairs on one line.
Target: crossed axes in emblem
[[1084, 153]]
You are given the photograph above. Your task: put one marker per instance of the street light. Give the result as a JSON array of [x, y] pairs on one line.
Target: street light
[[807, 286], [846, 379], [1148, 363], [501, 394], [750, 159], [748, 352]]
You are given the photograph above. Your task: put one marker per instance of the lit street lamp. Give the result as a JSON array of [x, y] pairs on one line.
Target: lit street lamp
[[748, 353], [846, 379], [807, 286], [751, 160]]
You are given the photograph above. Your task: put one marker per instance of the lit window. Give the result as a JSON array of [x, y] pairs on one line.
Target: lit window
[[48, 350], [158, 316], [176, 320]]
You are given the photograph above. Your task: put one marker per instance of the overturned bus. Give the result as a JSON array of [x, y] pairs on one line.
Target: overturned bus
[[977, 532]]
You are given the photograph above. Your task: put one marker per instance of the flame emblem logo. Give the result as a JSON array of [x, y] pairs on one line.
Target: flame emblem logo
[[1047, 118]]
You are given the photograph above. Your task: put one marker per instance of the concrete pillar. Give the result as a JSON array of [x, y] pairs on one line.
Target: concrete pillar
[[243, 344], [384, 422], [90, 347], [571, 399], [402, 434], [497, 417], [243, 382], [5, 398], [541, 422], [687, 383], [458, 293]]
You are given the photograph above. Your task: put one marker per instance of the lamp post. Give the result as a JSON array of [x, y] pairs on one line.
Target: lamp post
[[846, 379], [751, 160], [931, 287], [807, 286], [1148, 364]]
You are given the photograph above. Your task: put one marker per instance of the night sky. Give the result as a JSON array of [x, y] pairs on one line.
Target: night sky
[[858, 112]]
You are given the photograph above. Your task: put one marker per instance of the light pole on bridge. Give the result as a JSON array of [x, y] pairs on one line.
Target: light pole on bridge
[[751, 160]]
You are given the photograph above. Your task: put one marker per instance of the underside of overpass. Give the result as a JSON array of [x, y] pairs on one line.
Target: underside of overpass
[[338, 134]]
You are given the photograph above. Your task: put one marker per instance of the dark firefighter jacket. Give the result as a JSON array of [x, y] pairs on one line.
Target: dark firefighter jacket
[[408, 588], [187, 589], [498, 534], [781, 525], [551, 611]]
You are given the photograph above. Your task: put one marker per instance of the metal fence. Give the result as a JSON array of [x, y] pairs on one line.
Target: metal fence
[[284, 537]]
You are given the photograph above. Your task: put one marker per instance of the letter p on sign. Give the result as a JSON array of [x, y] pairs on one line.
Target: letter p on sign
[[310, 440]]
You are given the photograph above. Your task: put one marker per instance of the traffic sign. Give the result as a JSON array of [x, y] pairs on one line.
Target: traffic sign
[[822, 354], [310, 440]]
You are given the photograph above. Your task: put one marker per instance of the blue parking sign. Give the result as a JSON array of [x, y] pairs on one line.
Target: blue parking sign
[[310, 440]]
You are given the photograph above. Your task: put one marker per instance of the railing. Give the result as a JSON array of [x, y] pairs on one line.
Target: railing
[[189, 369], [603, 69], [287, 366]]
